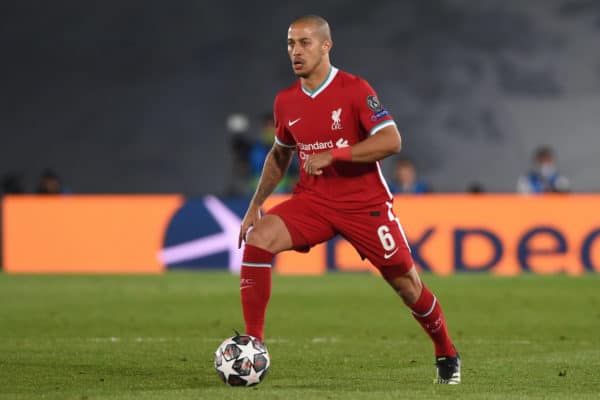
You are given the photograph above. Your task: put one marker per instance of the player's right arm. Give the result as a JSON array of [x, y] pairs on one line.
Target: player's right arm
[[276, 164]]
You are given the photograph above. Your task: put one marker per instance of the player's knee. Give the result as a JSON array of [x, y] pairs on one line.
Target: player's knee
[[270, 234], [408, 284], [410, 294], [260, 238]]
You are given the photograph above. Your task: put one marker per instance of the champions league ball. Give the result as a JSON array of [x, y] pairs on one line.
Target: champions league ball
[[242, 360]]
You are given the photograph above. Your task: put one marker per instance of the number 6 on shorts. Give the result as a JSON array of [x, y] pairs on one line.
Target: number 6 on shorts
[[386, 238]]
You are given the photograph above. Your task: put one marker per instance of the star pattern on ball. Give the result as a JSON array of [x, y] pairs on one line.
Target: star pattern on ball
[[248, 350], [227, 368], [253, 378]]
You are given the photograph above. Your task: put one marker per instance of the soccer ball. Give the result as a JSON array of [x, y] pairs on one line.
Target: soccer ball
[[242, 360]]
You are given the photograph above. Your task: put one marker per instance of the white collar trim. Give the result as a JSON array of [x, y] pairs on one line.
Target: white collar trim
[[330, 76]]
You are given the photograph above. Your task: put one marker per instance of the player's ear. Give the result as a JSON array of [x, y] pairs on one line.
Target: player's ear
[[327, 45]]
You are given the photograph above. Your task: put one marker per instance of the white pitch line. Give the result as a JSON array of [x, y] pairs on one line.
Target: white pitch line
[[113, 339], [324, 340], [314, 340]]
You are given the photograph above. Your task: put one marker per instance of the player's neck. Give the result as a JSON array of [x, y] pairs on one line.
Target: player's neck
[[318, 76]]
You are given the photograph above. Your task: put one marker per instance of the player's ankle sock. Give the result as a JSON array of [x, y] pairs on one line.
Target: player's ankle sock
[[255, 288], [428, 312]]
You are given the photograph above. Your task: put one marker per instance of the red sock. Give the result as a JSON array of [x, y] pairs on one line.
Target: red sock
[[255, 288], [428, 312]]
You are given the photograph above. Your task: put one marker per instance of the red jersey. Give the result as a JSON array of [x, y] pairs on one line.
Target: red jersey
[[341, 112]]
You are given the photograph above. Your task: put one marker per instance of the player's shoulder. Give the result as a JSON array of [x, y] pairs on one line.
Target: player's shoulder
[[352, 81], [288, 92]]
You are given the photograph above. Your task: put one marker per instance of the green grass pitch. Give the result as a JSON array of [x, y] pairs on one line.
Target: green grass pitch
[[339, 336]]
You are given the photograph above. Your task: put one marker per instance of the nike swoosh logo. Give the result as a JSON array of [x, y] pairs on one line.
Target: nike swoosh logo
[[387, 256], [291, 123], [245, 287]]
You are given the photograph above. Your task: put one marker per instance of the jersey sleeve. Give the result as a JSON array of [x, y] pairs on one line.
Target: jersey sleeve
[[283, 137], [373, 116]]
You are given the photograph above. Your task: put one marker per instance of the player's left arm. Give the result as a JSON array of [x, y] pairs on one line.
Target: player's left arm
[[386, 142], [383, 139]]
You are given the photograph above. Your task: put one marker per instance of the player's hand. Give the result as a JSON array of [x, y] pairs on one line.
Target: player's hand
[[315, 163], [250, 219]]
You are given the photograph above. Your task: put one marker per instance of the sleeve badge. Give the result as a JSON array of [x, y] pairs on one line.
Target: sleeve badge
[[374, 103]]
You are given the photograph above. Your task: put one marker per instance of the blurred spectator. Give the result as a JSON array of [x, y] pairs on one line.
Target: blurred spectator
[[475, 188], [544, 178], [258, 154], [405, 180], [11, 184], [237, 125], [240, 149], [50, 183]]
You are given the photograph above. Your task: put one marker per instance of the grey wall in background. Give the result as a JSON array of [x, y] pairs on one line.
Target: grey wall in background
[[132, 96]]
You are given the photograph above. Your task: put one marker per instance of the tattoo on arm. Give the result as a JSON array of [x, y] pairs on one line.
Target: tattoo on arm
[[276, 164]]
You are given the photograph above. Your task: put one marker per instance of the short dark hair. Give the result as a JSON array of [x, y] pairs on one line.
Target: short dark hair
[[543, 152], [404, 162], [267, 117], [320, 22]]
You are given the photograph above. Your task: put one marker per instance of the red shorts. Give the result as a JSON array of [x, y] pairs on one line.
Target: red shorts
[[375, 232]]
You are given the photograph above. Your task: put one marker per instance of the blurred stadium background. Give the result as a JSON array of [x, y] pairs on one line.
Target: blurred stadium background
[[137, 106], [132, 97]]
